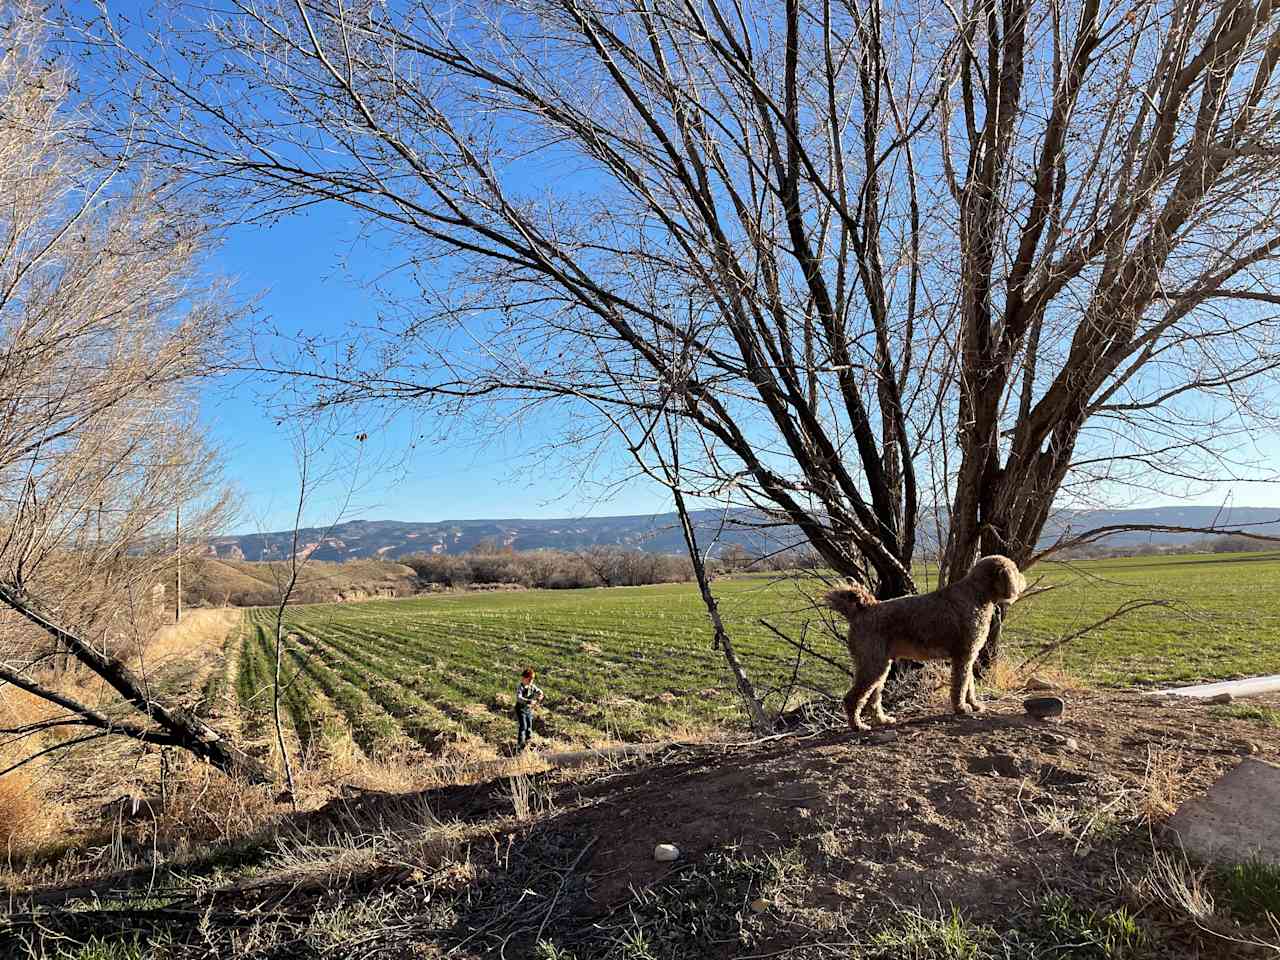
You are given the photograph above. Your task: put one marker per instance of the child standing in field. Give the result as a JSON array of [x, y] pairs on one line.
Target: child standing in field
[[527, 694]]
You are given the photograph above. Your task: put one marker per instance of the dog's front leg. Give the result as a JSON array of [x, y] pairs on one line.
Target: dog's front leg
[[959, 685]]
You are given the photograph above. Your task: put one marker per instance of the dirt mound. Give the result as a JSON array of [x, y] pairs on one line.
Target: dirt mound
[[991, 836], [975, 808]]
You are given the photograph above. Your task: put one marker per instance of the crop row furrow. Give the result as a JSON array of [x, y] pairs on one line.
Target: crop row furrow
[[428, 724], [370, 725], [482, 712]]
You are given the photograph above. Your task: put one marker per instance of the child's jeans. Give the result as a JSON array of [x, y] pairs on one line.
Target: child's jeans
[[524, 727]]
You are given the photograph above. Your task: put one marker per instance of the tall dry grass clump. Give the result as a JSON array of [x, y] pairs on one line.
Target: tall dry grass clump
[[1162, 783], [200, 632], [28, 818], [19, 805], [1007, 675]]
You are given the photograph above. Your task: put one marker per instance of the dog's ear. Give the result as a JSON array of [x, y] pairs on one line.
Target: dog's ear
[[998, 578]]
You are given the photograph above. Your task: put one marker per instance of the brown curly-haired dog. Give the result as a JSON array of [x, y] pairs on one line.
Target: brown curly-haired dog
[[950, 623]]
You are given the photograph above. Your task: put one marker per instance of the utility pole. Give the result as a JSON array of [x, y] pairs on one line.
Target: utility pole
[[177, 554]]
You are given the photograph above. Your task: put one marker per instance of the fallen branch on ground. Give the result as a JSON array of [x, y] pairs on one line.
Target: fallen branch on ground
[[178, 727]]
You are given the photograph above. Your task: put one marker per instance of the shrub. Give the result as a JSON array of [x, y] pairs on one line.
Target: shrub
[[552, 569]]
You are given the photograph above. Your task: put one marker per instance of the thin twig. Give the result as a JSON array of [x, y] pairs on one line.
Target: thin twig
[[538, 936], [809, 650], [1125, 608]]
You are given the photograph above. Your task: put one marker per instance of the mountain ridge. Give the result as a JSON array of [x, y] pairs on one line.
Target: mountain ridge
[[660, 533]]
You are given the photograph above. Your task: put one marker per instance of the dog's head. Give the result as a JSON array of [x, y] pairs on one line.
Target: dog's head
[[998, 579]]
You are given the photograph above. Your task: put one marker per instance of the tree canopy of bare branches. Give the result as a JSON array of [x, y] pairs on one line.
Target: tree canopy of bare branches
[[879, 258], [104, 328]]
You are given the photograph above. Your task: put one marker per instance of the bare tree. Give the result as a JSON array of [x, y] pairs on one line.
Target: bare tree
[[978, 257], [103, 330], [1116, 290], [312, 476], [607, 563]]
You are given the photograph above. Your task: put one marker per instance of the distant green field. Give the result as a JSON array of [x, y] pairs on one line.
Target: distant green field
[[635, 663], [1225, 622]]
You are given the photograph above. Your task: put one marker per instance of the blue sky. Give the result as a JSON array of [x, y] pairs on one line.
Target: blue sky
[[306, 273], [309, 273]]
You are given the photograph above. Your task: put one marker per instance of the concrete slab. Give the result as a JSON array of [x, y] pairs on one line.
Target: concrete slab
[[1237, 819], [1253, 687]]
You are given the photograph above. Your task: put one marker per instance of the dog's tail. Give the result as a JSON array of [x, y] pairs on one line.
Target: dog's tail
[[851, 600]]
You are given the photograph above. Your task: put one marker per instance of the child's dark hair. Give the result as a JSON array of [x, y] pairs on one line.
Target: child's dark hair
[[528, 673]]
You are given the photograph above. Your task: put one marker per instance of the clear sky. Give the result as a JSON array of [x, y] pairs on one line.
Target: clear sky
[[311, 272]]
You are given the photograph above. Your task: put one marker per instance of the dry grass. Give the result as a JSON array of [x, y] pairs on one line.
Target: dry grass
[[203, 806], [1006, 676], [930, 686], [199, 630], [195, 806], [28, 820], [1162, 783], [1183, 889]]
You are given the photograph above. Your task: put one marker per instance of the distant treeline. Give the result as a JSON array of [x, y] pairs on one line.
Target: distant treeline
[[551, 569], [213, 582], [1223, 544]]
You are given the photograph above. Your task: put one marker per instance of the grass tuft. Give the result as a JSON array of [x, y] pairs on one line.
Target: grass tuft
[[1162, 783], [918, 937], [1270, 716], [106, 948], [1252, 890], [1088, 934]]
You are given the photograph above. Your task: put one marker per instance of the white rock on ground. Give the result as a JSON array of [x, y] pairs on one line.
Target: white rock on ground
[[666, 852], [1237, 819]]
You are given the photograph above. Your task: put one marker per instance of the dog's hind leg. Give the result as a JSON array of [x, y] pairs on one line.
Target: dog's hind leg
[[873, 667], [877, 708], [850, 708]]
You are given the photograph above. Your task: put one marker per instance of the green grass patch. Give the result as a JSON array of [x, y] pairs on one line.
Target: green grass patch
[[106, 948], [636, 663], [1056, 927], [1269, 716], [1252, 890], [917, 937], [1223, 606], [1063, 927]]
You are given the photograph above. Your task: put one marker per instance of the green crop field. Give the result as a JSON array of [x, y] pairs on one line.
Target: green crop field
[[636, 663]]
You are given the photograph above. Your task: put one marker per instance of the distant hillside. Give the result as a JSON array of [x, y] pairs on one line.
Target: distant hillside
[[393, 538], [244, 584], [388, 539]]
